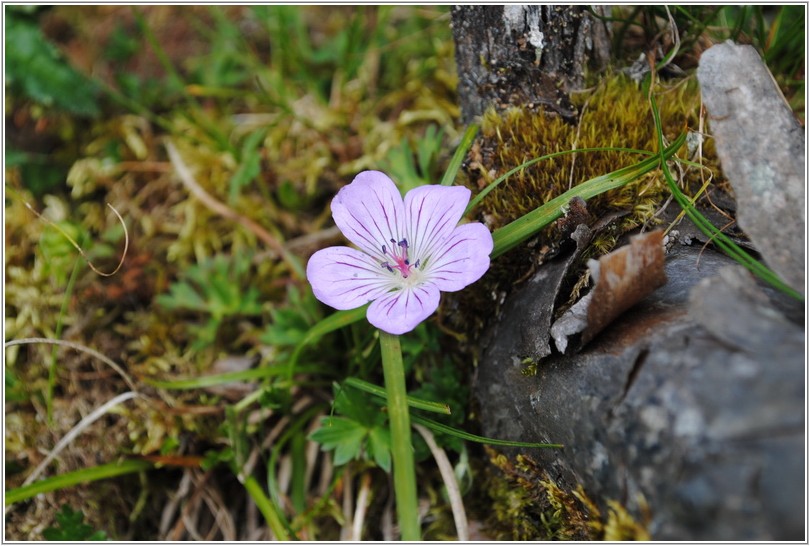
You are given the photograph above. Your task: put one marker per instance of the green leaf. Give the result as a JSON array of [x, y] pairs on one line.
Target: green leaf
[[35, 68], [182, 296], [333, 322], [71, 527], [428, 149], [352, 404], [250, 165], [379, 447], [342, 435]]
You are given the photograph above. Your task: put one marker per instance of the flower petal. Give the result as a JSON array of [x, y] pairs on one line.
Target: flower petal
[[431, 214], [345, 278], [401, 311], [369, 212], [462, 258]]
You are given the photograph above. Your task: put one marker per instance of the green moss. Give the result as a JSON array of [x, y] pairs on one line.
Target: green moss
[[616, 113], [524, 503]]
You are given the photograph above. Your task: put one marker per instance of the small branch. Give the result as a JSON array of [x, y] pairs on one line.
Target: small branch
[[361, 507], [345, 530]]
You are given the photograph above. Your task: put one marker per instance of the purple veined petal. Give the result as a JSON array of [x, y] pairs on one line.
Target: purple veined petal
[[401, 311], [369, 212], [462, 259], [345, 278], [431, 214]]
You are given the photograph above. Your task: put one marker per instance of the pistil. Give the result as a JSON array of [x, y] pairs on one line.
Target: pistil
[[399, 254]]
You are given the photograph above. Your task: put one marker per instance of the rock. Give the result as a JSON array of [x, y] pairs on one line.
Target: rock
[[696, 405], [761, 147]]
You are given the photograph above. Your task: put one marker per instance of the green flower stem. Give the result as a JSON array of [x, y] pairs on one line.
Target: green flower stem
[[401, 446]]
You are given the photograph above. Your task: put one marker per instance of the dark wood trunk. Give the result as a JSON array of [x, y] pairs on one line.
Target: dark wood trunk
[[529, 56]]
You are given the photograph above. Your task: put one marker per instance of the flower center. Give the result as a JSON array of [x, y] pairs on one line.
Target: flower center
[[398, 252]]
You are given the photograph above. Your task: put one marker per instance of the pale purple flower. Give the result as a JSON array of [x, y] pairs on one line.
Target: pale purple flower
[[409, 251]]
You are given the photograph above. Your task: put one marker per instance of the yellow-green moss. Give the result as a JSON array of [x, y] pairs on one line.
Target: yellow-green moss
[[616, 113], [524, 503]]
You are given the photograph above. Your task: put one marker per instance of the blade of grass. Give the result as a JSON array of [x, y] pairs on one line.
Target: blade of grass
[[219, 379], [69, 479], [268, 509], [413, 402], [458, 156], [494, 184], [518, 231], [439, 427]]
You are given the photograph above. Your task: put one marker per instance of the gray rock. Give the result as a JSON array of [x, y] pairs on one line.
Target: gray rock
[[699, 407], [761, 147]]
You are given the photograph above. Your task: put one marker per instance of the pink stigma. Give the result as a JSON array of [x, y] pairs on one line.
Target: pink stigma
[[399, 255]]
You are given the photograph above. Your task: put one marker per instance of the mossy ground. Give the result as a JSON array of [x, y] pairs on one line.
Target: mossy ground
[[525, 503]]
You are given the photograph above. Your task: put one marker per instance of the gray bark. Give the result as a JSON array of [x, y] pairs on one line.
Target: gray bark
[[696, 405], [528, 56], [762, 150]]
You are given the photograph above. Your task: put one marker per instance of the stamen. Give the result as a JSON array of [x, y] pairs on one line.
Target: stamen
[[400, 260]]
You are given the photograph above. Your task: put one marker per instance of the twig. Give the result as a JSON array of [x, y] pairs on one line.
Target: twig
[[171, 506], [449, 477], [78, 347], [360, 509], [346, 528]]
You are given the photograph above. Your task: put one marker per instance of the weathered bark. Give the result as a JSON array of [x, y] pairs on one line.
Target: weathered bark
[[527, 56], [762, 149], [695, 404]]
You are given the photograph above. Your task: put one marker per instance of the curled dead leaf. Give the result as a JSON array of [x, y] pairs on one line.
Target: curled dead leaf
[[623, 278]]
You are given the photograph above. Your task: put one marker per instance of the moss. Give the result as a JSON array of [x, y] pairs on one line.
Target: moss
[[524, 503], [616, 113]]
